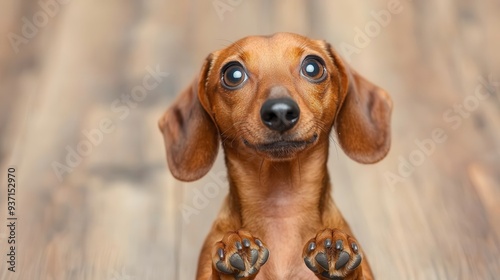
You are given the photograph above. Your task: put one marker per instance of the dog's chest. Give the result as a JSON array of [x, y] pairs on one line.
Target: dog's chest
[[282, 267], [285, 245]]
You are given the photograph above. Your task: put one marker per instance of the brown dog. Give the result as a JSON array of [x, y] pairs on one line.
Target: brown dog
[[272, 101]]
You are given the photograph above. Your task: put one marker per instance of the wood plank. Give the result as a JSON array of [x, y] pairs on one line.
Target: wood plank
[[119, 215]]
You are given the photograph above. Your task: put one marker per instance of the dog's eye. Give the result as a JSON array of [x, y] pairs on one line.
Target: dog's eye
[[233, 76], [313, 69]]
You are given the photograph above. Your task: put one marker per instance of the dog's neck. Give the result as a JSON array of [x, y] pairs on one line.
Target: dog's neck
[[262, 190], [281, 202]]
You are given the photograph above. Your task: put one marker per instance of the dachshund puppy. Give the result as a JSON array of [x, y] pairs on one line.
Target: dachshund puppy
[[272, 102]]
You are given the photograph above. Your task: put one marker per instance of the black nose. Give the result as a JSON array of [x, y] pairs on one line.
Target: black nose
[[280, 114]]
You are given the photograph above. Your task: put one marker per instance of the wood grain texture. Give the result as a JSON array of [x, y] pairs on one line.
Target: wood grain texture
[[120, 215]]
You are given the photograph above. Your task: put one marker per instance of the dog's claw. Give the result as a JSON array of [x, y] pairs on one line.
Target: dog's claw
[[311, 247], [246, 243], [339, 245], [220, 252], [355, 248], [238, 246], [328, 243], [258, 242]]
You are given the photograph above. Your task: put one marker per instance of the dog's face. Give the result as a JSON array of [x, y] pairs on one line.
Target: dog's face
[[276, 97]]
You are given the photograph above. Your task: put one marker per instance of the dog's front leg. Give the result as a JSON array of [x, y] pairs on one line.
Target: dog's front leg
[[239, 255], [334, 255]]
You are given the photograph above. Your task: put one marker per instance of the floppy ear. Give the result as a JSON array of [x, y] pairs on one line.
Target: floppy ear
[[190, 135], [363, 116]]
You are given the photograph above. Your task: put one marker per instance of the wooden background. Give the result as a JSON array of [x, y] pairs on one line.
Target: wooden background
[[118, 215]]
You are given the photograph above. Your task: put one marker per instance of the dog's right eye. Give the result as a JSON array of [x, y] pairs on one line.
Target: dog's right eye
[[233, 76]]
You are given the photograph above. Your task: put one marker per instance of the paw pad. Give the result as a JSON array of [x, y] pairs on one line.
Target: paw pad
[[240, 254], [333, 261]]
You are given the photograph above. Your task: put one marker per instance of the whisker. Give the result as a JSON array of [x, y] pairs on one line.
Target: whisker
[[321, 126], [225, 136], [260, 171], [300, 172]]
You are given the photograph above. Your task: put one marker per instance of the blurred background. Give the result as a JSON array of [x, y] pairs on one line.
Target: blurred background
[[83, 83]]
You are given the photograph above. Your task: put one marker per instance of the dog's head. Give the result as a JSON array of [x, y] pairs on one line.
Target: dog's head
[[275, 96]]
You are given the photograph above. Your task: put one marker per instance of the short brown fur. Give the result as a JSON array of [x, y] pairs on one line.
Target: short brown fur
[[281, 197]]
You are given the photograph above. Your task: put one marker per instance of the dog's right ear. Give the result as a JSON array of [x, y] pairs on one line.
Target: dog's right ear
[[190, 135]]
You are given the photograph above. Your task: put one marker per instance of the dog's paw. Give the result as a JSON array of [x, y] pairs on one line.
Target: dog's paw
[[332, 254], [239, 254]]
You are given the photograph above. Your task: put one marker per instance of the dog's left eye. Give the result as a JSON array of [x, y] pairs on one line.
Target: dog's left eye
[[233, 76], [313, 69]]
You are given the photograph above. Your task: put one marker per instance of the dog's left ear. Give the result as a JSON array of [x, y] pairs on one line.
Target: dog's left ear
[[363, 116], [190, 135]]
